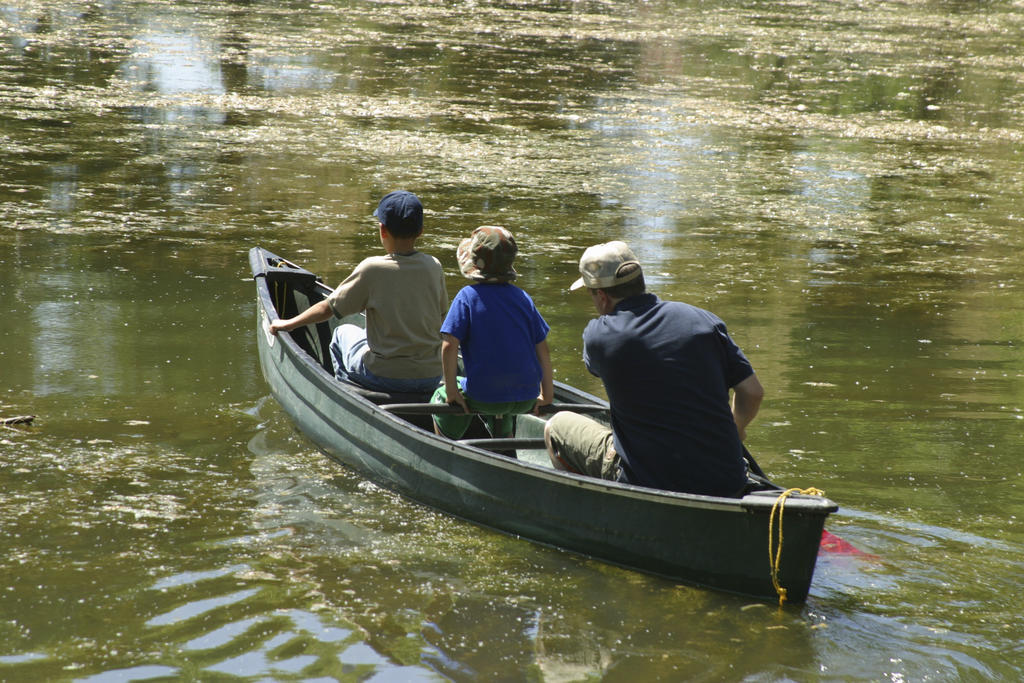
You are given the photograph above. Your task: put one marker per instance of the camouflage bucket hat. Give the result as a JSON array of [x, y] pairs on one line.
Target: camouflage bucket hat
[[487, 255]]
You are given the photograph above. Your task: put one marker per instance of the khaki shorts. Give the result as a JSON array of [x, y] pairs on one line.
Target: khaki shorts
[[583, 445]]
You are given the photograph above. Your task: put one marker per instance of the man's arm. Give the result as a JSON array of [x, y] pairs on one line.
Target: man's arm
[[746, 401], [317, 313]]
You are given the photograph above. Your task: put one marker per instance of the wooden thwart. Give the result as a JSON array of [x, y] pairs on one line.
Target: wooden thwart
[[509, 444], [448, 409]]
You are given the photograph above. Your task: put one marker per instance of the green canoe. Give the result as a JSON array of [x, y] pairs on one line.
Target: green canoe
[[720, 543]]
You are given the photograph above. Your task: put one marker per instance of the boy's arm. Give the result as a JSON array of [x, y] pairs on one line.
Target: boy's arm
[[317, 313], [450, 368], [547, 378]]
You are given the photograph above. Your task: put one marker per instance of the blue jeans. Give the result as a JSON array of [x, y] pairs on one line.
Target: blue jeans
[[348, 348]]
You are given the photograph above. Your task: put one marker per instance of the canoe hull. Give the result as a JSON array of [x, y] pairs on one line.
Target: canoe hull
[[720, 543]]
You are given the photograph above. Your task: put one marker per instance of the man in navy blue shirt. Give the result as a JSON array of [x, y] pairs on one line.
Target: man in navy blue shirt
[[668, 369]]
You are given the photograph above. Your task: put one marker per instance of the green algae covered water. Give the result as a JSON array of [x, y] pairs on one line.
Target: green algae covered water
[[839, 181]]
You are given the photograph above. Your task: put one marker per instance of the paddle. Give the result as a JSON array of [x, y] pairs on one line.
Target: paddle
[[833, 544], [754, 467]]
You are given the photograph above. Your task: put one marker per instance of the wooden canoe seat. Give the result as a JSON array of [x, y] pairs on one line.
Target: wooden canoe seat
[[509, 444], [424, 408]]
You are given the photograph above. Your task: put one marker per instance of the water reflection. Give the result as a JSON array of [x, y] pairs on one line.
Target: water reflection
[[200, 608], [135, 673], [172, 62], [282, 74], [667, 155]]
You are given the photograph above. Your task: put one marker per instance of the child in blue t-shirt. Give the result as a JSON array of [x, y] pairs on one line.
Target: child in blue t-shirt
[[502, 337]]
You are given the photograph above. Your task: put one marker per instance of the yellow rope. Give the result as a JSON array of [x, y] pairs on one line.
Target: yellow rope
[[775, 554]]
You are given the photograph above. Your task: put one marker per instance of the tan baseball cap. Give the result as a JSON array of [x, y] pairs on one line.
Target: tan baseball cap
[[600, 266]]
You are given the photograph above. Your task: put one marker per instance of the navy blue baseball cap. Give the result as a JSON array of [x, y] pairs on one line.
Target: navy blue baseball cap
[[401, 213]]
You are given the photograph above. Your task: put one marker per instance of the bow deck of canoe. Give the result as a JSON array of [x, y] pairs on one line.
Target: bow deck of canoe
[[508, 485]]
